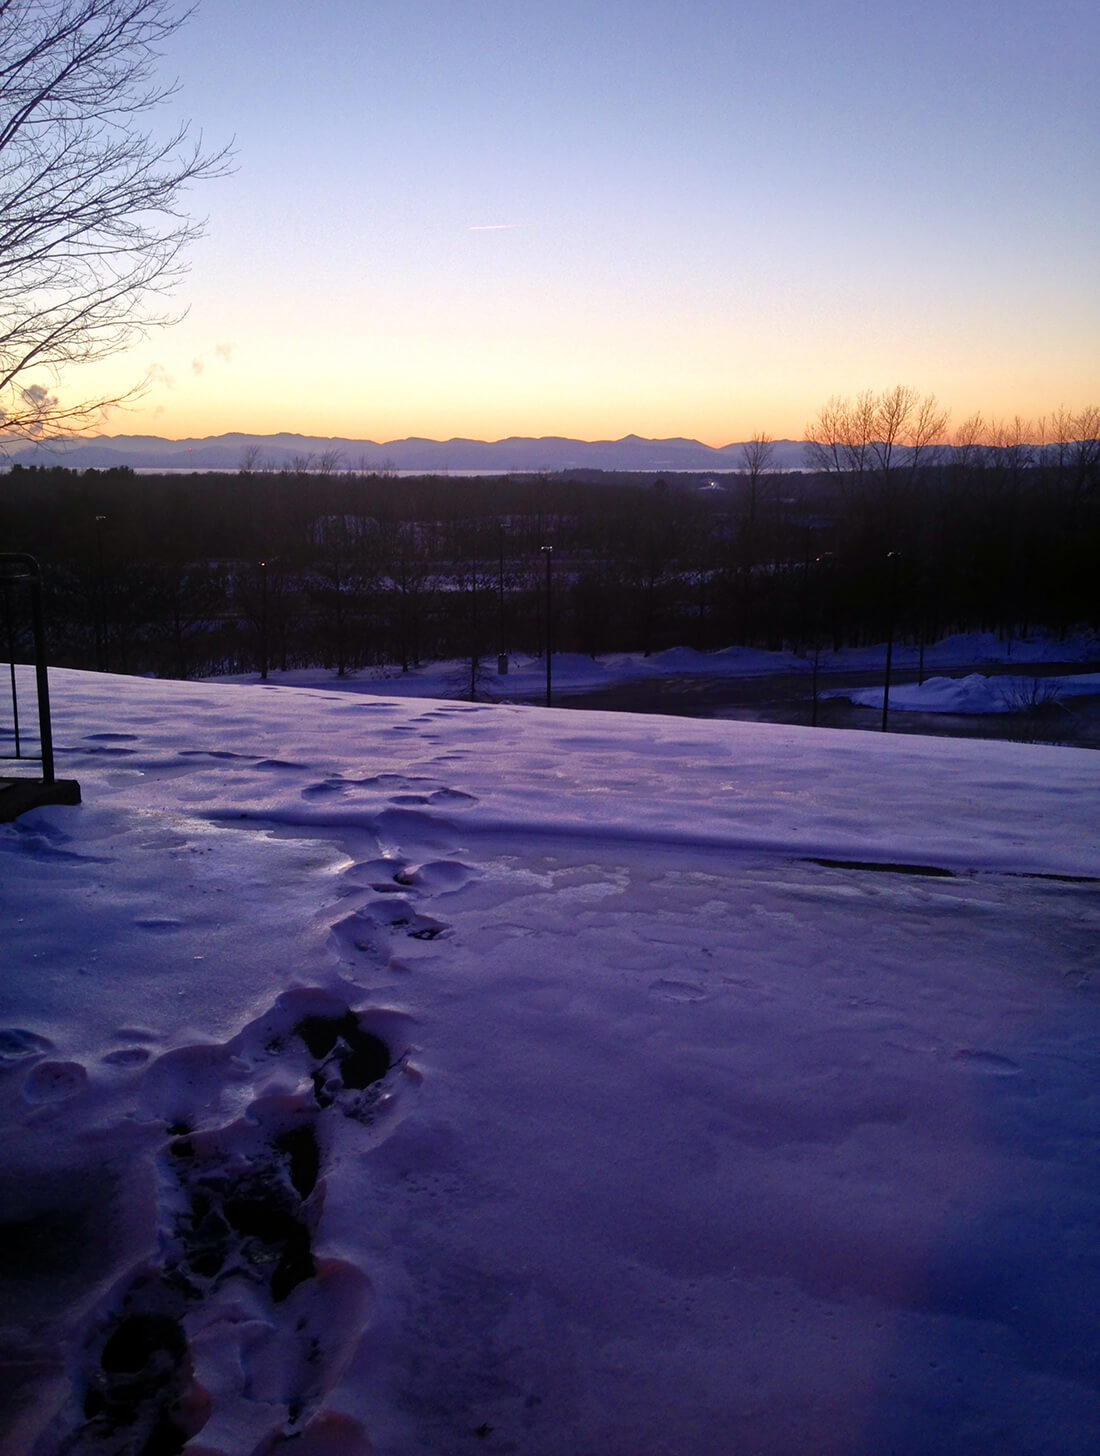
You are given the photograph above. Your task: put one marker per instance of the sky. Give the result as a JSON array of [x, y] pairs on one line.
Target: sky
[[703, 219]]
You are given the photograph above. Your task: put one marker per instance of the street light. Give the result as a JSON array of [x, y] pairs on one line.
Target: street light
[[263, 621], [103, 655], [548, 552], [820, 562], [892, 559], [502, 650]]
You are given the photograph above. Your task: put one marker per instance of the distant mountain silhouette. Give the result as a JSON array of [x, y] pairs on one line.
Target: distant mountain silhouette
[[518, 454]]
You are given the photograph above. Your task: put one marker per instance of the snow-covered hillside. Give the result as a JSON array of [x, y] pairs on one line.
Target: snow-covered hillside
[[418, 1077], [575, 673]]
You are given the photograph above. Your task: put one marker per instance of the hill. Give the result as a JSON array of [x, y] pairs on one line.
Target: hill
[[517, 454]]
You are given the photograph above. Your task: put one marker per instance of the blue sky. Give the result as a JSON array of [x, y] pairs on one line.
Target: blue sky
[[674, 219]]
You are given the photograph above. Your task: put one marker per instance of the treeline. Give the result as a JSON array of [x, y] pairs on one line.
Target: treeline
[[185, 576]]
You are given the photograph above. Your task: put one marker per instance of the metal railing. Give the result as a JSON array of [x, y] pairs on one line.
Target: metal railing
[[21, 574]]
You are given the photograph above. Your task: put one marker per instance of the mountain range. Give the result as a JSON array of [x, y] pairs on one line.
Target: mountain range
[[518, 454]]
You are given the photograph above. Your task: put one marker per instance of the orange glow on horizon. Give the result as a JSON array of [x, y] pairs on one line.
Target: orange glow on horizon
[[190, 422], [710, 392]]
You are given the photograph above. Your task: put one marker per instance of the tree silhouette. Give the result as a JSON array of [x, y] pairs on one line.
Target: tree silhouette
[[91, 222]]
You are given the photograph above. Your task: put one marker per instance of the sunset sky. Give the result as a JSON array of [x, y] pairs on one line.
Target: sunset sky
[[666, 217]]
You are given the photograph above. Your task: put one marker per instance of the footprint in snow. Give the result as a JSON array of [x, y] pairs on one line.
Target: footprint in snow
[[54, 1082], [989, 1062], [402, 788], [437, 876], [367, 930], [138, 1392], [238, 1324], [18, 1045], [321, 790], [395, 877], [329, 1435], [34, 838], [451, 796], [126, 1057], [677, 990]]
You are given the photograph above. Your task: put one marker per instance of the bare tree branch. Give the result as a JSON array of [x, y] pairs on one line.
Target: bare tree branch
[[93, 227]]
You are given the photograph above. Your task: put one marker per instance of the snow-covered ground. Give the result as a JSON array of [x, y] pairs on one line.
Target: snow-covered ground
[[977, 693], [410, 1076], [573, 673]]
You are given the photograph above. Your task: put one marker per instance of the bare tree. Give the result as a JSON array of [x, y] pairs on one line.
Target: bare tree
[[852, 437], [1011, 450], [1062, 426], [925, 431], [756, 457], [892, 413], [905, 421], [966, 446], [863, 422], [826, 435], [329, 463], [757, 454], [842, 437], [92, 226], [253, 460], [1085, 451]]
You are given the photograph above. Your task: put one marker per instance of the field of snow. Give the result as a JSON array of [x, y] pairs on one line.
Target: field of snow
[[574, 673], [977, 693], [424, 1078]]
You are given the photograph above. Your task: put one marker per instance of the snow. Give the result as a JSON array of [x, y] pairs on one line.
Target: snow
[[977, 693], [575, 673], [679, 1139]]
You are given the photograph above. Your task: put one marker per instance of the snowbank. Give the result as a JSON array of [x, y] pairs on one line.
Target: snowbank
[[575, 673], [978, 694]]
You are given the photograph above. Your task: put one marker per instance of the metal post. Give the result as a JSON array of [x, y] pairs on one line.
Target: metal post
[[22, 794], [11, 664], [548, 552], [105, 659], [45, 732], [892, 559], [404, 633], [263, 621], [502, 651], [820, 563], [475, 661]]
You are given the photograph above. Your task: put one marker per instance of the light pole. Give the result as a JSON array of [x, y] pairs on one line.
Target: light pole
[[892, 559], [104, 659], [10, 634], [502, 651], [548, 552], [475, 661], [820, 563], [263, 621]]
